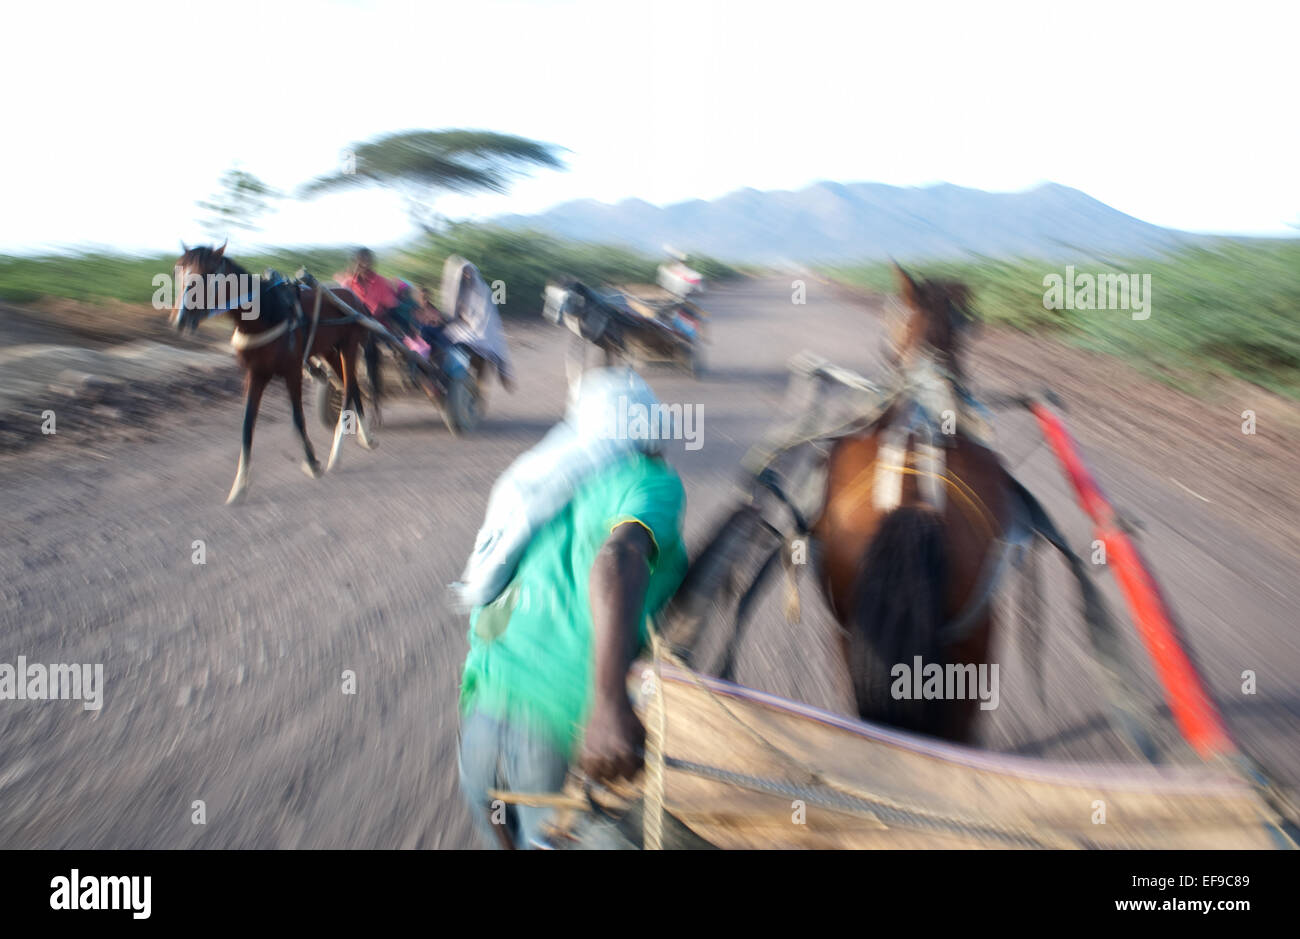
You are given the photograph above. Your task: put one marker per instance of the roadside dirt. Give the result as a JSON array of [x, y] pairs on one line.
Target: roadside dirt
[[98, 374], [78, 322]]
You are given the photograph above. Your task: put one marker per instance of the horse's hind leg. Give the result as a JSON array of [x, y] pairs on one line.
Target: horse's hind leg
[[293, 382], [353, 381], [254, 385], [351, 413], [363, 416]]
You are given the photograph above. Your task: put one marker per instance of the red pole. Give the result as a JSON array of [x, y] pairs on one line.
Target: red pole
[[1194, 710]]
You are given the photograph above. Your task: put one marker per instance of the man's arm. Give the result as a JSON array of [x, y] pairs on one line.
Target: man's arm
[[614, 738]]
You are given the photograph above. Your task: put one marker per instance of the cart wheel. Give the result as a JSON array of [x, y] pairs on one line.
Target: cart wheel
[[461, 410], [329, 402]]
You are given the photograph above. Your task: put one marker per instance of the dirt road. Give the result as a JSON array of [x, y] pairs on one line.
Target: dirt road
[[224, 679]]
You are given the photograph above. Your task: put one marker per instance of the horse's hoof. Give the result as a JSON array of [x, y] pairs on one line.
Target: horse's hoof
[[368, 444], [236, 496], [313, 469], [329, 467]]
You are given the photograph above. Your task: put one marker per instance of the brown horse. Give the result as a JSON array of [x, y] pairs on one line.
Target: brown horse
[[917, 514], [273, 325]]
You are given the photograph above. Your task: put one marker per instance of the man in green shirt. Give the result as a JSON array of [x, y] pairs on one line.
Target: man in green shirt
[[544, 683]]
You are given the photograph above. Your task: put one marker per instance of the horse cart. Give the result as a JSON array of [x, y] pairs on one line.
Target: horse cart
[[730, 767], [641, 329], [447, 375], [447, 378]]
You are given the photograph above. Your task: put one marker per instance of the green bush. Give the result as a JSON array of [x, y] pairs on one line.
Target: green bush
[[522, 260], [1230, 306], [714, 271], [81, 277]]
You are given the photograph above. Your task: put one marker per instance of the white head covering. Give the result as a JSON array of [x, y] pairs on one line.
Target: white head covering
[[601, 401], [543, 480], [479, 323]]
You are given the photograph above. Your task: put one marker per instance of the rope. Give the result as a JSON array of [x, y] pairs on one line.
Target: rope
[[765, 453], [804, 429], [655, 733], [540, 800]]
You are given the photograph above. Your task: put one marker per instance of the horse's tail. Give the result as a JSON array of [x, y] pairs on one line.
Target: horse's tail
[[898, 612]]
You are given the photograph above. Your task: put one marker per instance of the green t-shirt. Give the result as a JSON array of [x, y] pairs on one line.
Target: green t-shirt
[[531, 659]]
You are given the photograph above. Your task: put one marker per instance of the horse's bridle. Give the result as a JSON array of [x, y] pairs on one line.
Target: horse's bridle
[[221, 270]]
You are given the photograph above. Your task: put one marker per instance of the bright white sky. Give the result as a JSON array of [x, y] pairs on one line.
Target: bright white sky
[[119, 116]]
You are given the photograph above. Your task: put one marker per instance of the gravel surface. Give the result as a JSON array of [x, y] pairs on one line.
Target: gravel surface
[[224, 680]]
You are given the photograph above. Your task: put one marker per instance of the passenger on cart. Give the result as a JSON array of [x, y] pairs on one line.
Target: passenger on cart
[[392, 302]]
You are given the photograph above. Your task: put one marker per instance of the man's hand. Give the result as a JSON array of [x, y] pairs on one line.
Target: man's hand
[[613, 744]]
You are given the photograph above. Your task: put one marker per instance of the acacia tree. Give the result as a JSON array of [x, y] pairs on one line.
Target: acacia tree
[[420, 164], [242, 199]]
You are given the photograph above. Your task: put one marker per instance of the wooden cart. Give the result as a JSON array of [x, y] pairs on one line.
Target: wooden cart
[[731, 767]]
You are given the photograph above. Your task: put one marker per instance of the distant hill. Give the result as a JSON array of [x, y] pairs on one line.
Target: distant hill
[[864, 221]]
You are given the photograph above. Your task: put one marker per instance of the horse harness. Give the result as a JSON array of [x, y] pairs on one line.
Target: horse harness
[[921, 403], [816, 425], [295, 322]]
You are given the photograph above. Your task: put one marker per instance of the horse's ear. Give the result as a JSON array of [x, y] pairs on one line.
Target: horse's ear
[[906, 285], [185, 249], [221, 252]]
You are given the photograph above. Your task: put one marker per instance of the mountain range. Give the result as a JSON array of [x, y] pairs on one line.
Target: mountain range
[[830, 221]]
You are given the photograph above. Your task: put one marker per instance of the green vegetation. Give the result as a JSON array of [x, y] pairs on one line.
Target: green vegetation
[[104, 276], [97, 276], [1229, 308], [523, 260], [714, 271]]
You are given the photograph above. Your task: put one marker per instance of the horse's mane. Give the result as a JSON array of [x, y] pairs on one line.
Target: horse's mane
[[931, 292], [207, 258], [956, 291]]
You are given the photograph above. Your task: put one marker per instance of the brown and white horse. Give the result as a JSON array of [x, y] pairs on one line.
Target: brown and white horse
[[914, 518], [272, 343]]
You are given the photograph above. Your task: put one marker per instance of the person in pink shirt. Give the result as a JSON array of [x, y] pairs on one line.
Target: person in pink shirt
[[388, 304], [393, 305]]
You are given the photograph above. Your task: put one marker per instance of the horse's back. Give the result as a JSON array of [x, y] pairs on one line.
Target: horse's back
[[975, 512]]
